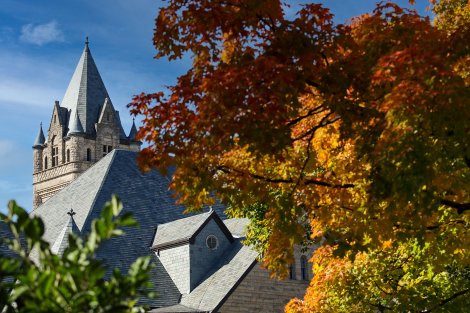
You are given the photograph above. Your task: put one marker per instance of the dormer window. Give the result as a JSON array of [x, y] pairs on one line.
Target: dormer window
[[211, 242]]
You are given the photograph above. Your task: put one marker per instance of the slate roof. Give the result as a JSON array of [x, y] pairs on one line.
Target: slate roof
[[185, 230], [133, 132], [237, 226], [214, 289], [40, 139], [86, 94], [76, 126], [145, 195]]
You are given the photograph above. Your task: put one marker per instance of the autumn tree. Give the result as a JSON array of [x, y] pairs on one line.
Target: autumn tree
[[354, 136]]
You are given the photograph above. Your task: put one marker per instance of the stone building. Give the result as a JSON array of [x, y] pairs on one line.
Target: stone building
[[200, 263], [84, 127]]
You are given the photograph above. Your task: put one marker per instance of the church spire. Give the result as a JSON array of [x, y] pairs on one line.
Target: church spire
[[40, 139], [86, 92]]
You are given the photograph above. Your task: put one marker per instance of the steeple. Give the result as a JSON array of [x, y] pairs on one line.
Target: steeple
[[76, 126], [62, 241], [86, 93], [133, 131], [40, 139]]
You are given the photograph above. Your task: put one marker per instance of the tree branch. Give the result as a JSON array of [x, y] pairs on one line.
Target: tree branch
[[461, 207], [445, 301], [228, 170]]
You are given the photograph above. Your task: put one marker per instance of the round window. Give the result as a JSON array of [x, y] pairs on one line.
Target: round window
[[211, 242]]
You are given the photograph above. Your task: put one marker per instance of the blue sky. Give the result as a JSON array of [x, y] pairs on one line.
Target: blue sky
[[40, 44]]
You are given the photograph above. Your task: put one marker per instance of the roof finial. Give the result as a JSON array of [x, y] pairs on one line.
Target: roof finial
[[71, 212], [86, 41]]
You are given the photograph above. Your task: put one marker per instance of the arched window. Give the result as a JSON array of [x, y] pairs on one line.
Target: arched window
[[68, 155], [303, 267], [292, 271], [45, 163], [88, 154]]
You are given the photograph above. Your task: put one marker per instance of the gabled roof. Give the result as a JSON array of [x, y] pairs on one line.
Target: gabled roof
[[184, 230], [86, 94], [62, 241], [40, 139], [215, 289], [145, 195]]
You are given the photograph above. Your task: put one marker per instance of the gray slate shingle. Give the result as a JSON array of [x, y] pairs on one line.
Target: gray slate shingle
[[86, 95], [145, 195]]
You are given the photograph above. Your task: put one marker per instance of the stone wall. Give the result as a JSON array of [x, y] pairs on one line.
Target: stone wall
[[259, 293]]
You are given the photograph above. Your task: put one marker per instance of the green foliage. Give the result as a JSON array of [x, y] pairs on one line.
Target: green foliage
[[75, 281]]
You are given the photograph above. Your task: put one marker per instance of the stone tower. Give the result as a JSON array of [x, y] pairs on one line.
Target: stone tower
[[83, 129]]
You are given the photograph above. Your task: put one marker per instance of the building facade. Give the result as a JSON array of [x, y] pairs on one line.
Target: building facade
[[83, 128]]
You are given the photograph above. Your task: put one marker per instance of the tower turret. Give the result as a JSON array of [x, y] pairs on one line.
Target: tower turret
[[38, 146], [84, 128]]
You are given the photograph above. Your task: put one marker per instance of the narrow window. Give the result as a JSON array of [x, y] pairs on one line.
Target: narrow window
[[107, 149], [303, 267], [88, 154], [45, 163], [55, 156], [68, 155], [54, 119], [292, 271]]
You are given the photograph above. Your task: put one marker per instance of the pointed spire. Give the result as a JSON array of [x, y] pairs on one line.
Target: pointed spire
[[62, 241], [40, 139], [133, 132], [86, 92], [75, 126]]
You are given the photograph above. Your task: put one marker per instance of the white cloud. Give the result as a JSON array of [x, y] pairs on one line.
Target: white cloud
[[41, 34]]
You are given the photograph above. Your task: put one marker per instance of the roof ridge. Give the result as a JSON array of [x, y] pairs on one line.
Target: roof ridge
[[111, 155]]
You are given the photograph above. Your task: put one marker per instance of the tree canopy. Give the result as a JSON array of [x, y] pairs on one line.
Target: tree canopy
[[353, 136]]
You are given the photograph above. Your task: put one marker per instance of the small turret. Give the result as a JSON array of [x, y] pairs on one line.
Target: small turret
[[76, 126], [40, 139], [133, 132]]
